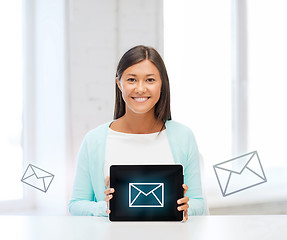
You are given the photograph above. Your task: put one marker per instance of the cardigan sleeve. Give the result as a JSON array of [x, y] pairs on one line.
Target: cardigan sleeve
[[83, 201], [193, 180], [185, 152]]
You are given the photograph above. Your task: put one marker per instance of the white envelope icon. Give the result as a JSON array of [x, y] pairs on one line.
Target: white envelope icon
[[146, 194], [239, 173], [37, 178]]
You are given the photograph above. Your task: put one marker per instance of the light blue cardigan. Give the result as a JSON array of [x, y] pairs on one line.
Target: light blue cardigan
[[88, 191]]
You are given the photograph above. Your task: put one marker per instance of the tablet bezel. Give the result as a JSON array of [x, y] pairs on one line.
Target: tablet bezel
[[115, 173]]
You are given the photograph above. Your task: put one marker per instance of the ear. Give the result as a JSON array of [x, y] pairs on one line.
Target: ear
[[118, 83]]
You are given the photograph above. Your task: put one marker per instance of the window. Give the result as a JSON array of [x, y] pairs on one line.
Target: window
[[11, 157], [197, 45], [226, 61], [267, 96]]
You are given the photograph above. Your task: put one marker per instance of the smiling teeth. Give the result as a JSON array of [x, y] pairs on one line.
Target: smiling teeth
[[140, 99]]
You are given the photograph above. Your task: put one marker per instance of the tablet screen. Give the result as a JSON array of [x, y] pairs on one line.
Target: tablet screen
[[146, 192]]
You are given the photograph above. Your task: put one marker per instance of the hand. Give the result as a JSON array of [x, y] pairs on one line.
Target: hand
[[108, 194], [184, 207]]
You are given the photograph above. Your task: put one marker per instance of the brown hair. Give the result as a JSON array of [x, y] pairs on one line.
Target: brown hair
[[132, 57]]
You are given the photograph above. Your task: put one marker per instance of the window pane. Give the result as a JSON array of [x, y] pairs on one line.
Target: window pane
[[268, 80], [10, 100], [198, 58]]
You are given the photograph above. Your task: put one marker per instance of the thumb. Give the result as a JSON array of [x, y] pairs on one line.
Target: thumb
[[185, 187], [107, 181]]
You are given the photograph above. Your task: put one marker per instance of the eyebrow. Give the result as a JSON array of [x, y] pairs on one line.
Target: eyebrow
[[134, 75]]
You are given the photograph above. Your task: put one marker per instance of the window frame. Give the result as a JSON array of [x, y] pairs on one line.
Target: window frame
[[239, 60]]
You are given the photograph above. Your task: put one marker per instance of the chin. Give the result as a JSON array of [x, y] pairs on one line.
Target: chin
[[141, 111]]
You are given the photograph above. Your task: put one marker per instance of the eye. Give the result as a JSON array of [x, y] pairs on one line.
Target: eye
[[131, 80], [150, 80]]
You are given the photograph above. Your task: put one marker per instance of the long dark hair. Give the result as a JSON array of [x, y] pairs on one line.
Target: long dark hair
[[132, 57]]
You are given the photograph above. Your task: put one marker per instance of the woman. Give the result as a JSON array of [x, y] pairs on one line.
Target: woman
[[142, 132]]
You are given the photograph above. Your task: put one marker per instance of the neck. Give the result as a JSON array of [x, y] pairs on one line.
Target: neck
[[141, 123]]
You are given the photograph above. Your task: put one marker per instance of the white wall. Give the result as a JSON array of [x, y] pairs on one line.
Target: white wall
[[99, 33], [72, 50]]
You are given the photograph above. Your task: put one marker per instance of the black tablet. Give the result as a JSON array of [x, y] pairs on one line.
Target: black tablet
[[146, 192]]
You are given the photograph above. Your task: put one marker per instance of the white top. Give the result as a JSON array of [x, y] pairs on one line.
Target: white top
[[128, 148]]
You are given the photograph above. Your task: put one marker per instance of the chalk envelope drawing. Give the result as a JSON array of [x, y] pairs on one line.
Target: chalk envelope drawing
[[146, 195], [239, 173], [37, 178]]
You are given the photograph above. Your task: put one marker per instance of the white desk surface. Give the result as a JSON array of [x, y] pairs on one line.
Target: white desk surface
[[84, 228]]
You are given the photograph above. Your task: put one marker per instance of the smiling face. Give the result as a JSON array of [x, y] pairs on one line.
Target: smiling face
[[140, 85]]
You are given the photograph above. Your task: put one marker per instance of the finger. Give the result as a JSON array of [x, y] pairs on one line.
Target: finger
[[109, 190], [184, 219], [108, 198], [183, 200], [183, 207], [185, 187], [107, 181], [108, 211], [185, 215]]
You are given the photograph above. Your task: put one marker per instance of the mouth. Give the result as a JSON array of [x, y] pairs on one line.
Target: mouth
[[140, 99]]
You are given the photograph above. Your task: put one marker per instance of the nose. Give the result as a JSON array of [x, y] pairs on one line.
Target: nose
[[140, 87]]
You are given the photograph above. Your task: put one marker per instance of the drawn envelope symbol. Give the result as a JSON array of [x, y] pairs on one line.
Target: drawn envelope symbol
[[146, 194], [239, 173], [37, 178]]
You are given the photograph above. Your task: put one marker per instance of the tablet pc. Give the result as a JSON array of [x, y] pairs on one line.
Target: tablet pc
[[146, 192]]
